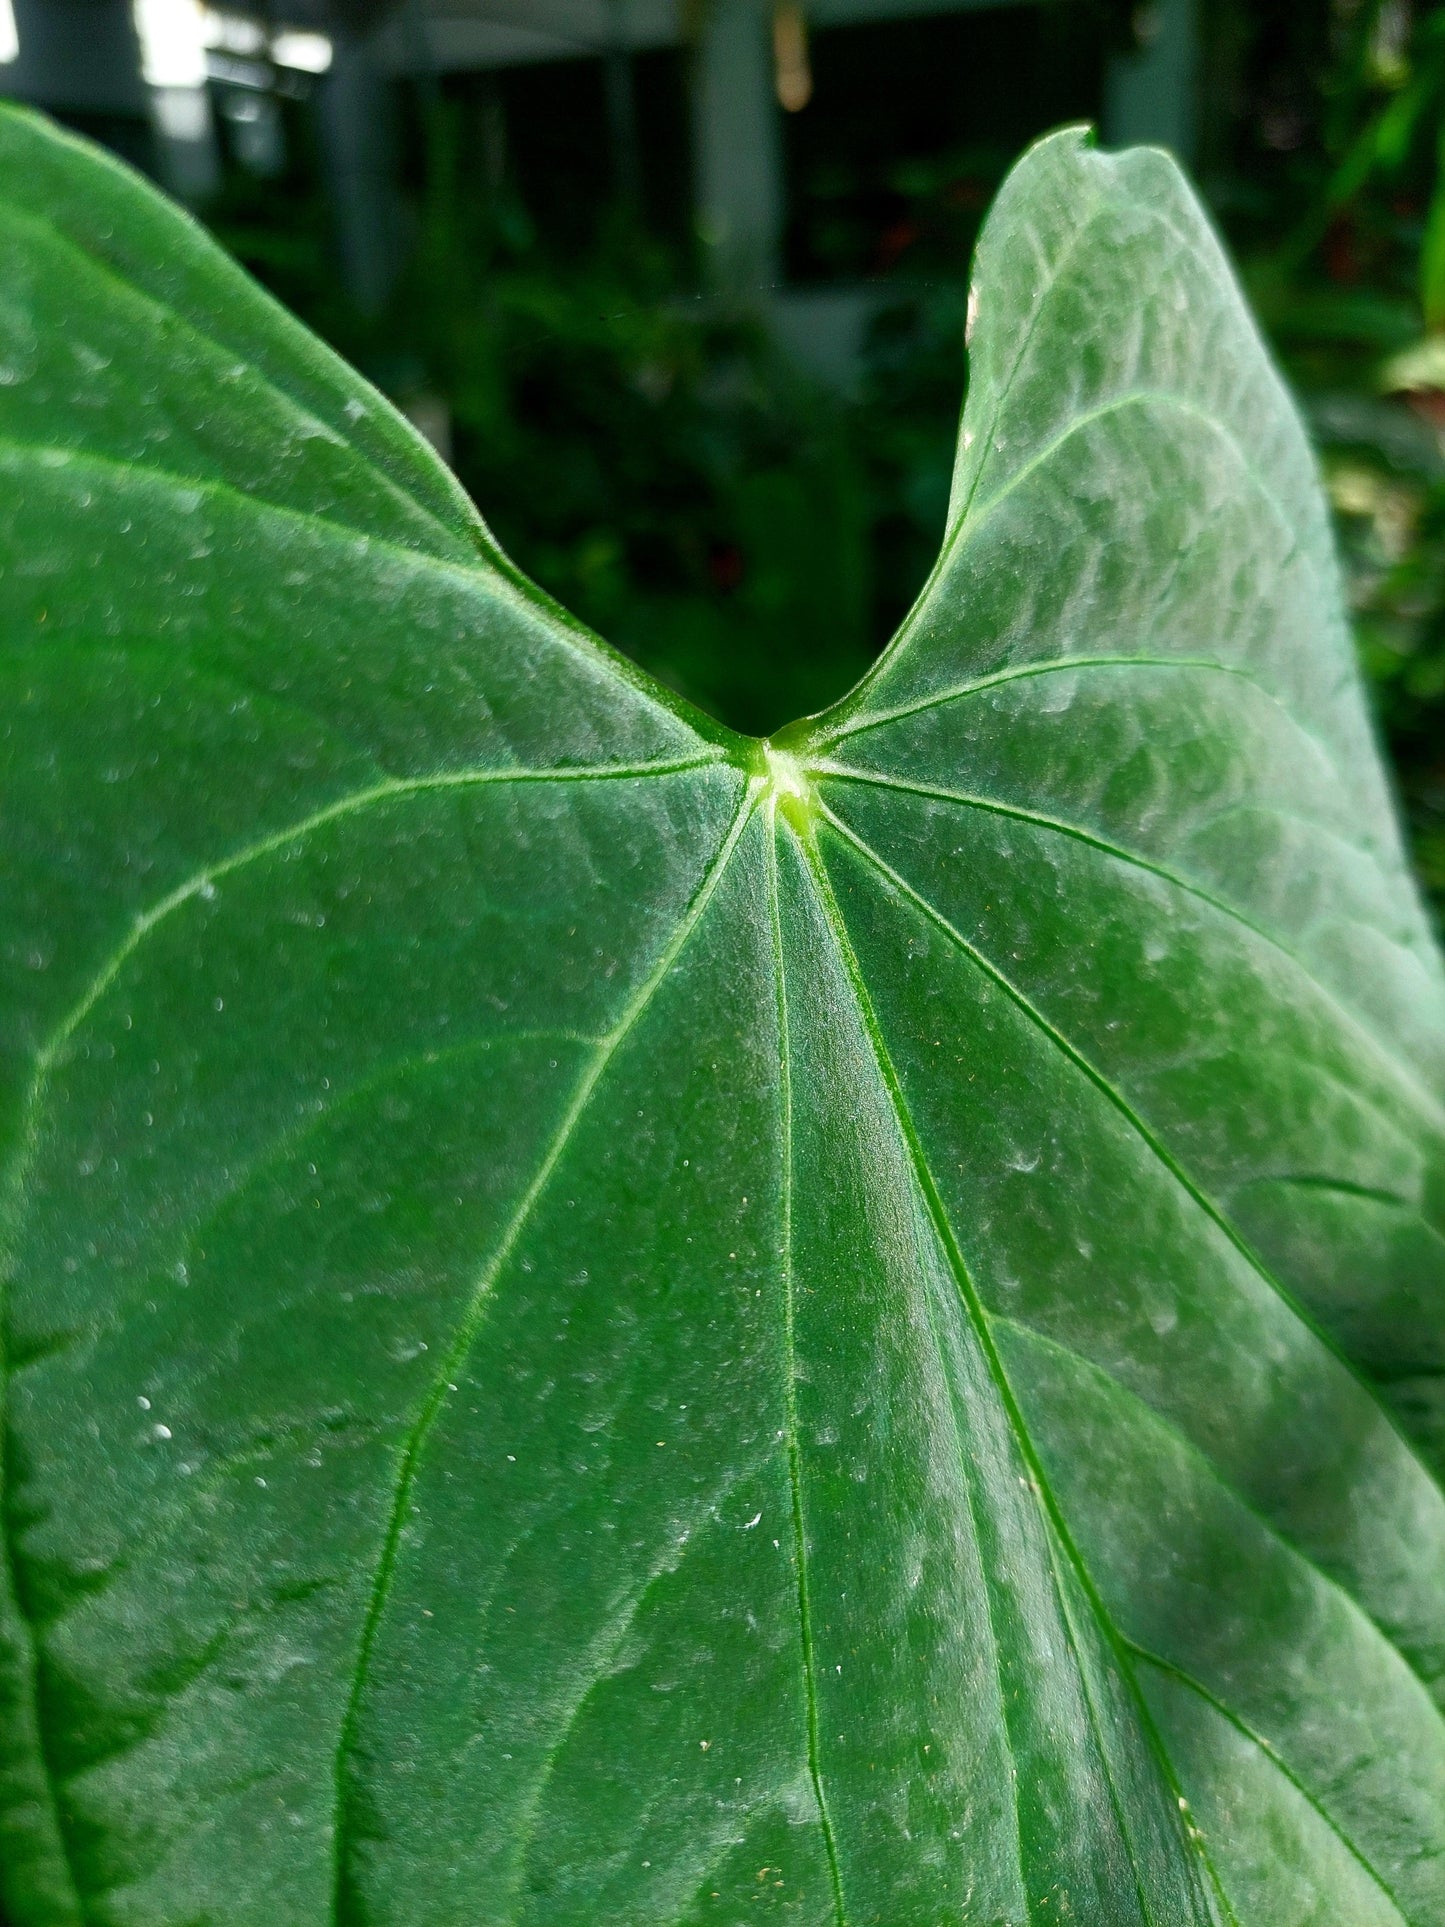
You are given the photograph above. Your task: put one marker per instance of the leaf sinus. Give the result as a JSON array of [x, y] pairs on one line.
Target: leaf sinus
[[788, 788]]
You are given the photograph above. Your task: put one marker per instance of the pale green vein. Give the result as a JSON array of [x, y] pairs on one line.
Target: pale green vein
[[1242, 1727], [1162, 398], [1055, 1543], [50, 1052], [1037, 819], [603, 1651], [1053, 666], [959, 519], [1345, 1187], [1042, 299], [159, 1273], [59, 458], [1146, 1135], [965, 1462], [979, 518], [790, 1380], [1201, 1460], [311, 425], [494, 578], [351, 804], [978, 1318], [408, 1460]]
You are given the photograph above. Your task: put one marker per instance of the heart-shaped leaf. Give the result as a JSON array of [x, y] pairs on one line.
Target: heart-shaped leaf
[[611, 1324]]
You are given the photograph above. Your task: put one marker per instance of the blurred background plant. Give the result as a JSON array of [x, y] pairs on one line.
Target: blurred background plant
[[742, 480], [1335, 200]]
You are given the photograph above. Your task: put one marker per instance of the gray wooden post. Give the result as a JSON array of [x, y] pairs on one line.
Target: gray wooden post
[[358, 150], [1150, 95], [621, 99], [738, 147]]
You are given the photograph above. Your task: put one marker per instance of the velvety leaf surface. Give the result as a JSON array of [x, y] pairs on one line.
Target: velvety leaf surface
[[606, 1323]]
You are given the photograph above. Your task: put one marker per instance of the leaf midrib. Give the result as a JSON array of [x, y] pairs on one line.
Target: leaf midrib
[[790, 1380], [978, 1320]]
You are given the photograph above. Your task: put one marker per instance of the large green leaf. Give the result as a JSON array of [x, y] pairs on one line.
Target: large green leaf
[[611, 1324]]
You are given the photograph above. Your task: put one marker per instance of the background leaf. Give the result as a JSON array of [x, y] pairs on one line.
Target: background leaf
[[607, 1322]]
